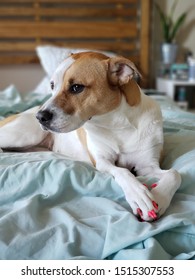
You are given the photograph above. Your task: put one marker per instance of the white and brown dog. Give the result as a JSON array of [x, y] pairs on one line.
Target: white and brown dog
[[99, 114]]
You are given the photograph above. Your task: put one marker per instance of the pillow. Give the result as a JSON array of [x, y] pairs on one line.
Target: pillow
[[50, 57], [43, 87]]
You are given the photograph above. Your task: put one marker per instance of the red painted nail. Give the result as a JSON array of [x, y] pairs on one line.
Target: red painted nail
[[139, 212], [152, 214], [154, 185], [155, 205], [145, 186]]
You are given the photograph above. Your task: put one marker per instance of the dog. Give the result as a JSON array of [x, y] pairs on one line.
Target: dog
[[99, 114]]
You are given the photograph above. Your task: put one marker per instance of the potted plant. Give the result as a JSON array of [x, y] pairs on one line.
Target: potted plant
[[170, 28]]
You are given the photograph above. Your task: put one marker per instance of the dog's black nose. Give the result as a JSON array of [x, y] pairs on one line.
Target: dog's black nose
[[44, 116]]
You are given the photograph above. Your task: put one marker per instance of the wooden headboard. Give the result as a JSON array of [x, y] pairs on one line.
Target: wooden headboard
[[121, 26]]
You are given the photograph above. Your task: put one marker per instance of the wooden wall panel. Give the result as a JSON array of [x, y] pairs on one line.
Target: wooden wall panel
[[121, 26]]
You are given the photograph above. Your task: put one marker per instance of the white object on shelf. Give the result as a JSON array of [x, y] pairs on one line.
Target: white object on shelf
[[168, 86], [176, 90]]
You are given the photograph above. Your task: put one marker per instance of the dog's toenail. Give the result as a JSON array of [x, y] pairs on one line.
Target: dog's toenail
[[139, 212], [154, 185], [145, 186], [152, 214], [155, 205]]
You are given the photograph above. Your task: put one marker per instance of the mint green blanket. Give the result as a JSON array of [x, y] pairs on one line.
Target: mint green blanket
[[54, 208]]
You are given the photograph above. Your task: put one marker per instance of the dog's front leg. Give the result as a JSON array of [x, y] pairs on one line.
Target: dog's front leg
[[137, 195], [21, 131]]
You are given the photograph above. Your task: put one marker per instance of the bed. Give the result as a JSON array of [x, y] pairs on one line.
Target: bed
[[52, 207]]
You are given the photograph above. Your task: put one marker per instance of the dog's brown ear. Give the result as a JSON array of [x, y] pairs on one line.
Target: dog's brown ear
[[121, 70]]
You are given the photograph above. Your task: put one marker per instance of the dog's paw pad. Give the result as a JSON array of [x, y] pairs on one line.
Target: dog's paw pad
[[152, 214], [153, 185]]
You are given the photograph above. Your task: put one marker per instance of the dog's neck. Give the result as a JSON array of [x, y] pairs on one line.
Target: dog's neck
[[121, 117]]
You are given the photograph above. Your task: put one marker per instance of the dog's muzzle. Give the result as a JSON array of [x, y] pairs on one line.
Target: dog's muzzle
[[55, 120], [44, 117]]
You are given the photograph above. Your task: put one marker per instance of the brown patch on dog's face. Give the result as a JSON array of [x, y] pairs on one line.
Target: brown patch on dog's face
[[97, 96]]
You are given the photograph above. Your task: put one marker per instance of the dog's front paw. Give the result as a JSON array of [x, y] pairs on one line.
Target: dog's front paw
[[143, 203], [164, 190]]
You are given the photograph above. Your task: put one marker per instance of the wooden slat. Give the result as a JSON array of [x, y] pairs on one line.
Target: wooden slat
[[25, 59], [32, 58], [67, 29], [17, 46], [68, 13], [30, 46], [72, 1]]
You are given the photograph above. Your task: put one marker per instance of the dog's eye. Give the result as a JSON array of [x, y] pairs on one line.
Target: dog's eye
[[76, 88], [52, 85]]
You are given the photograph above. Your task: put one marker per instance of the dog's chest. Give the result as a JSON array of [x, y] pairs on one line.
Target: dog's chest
[[122, 146], [115, 142], [127, 146], [125, 141]]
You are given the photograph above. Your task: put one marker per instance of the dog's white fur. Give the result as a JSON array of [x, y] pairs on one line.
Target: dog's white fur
[[122, 127]]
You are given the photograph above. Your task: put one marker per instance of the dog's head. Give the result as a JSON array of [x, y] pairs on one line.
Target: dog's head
[[86, 84]]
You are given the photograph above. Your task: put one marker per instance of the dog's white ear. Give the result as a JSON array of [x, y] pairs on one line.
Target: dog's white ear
[[121, 70]]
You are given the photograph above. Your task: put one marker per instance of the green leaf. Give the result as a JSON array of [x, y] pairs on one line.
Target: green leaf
[[173, 8], [164, 21], [177, 25], [162, 15], [169, 27]]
